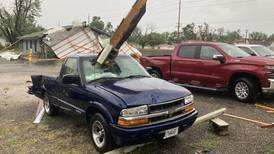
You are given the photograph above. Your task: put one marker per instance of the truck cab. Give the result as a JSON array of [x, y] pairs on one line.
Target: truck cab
[[121, 103]]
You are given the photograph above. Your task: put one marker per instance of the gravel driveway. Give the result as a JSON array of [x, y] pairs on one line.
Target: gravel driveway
[[63, 134]]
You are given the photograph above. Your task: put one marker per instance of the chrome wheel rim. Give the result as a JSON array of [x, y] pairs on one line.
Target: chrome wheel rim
[[242, 90], [155, 75], [46, 104], [98, 134]]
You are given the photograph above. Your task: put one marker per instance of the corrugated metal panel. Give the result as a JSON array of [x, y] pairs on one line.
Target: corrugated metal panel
[[82, 42]]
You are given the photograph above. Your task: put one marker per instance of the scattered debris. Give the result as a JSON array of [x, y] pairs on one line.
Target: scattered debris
[[262, 124], [266, 108], [210, 116], [9, 55], [39, 113], [219, 126]]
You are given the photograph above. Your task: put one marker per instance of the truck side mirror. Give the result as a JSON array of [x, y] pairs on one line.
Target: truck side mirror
[[71, 79], [220, 58]]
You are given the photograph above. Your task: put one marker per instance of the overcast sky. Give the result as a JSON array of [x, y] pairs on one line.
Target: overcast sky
[[254, 15]]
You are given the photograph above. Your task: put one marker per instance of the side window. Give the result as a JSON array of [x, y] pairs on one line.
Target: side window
[[207, 52], [70, 67], [187, 52], [247, 50]]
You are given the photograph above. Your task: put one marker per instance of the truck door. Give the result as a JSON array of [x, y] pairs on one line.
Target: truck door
[[68, 92], [185, 65], [210, 71]]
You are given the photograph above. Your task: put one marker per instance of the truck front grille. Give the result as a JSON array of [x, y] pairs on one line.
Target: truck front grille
[[173, 109], [166, 106]]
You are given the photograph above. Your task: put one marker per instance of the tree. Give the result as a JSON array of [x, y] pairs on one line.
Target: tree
[[232, 36], [189, 32], [258, 36], [271, 38], [21, 20], [98, 23], [109, 28], [154, 39]]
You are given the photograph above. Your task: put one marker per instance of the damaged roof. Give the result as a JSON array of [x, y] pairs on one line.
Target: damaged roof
[[69, 40]]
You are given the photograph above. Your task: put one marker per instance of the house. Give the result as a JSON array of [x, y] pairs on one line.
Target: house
[[68, 40], [33, 41]]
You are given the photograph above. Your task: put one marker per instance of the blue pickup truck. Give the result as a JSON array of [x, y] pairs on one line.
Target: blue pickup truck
[[122, 103]]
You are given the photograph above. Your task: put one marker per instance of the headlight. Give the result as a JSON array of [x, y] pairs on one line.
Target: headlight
[[189, 99], [136, 111]]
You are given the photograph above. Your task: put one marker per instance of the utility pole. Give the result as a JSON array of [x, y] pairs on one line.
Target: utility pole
[[179, 19], [246, 36], [88, 19]]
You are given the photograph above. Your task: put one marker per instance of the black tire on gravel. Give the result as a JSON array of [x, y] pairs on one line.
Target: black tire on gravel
[[246, 90], [98, 119]]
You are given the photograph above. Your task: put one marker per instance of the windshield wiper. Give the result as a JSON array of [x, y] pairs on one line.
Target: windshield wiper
[[136, 76], [268, 55]]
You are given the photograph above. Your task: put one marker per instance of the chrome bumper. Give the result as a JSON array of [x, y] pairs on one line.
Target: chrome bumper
[[270, 89]]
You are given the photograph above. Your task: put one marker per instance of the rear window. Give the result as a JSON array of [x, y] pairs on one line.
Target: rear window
[[187, 52]]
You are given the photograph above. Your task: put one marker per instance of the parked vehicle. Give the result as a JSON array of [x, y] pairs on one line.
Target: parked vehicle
[[256, 50], [215, 66], [121, 103]]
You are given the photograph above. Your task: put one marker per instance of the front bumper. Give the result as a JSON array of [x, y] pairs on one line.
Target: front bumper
[[130, 136], [269, 89]]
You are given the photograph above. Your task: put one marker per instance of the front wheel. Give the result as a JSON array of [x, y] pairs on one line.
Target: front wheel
[[245, 90], [100, 133], [50, 109]]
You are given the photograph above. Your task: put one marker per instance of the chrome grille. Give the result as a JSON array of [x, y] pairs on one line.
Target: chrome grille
[[166, 106]]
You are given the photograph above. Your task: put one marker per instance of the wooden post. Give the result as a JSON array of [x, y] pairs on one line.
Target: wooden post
[[30, 56], [123, 32]]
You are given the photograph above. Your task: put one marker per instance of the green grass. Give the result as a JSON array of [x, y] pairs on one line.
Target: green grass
[[270, 151], [207, 143]]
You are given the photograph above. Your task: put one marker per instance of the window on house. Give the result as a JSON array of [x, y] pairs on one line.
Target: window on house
[[27, 44]]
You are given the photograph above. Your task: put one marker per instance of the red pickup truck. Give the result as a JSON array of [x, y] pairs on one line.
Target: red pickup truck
[[215, 66]]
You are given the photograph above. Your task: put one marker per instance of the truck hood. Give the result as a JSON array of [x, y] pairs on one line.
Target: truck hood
[[257, 60], [144, 91]]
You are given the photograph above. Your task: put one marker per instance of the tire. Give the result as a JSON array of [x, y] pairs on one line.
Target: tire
[[156, 74], [100, 133], [50, 109], [245, 90]]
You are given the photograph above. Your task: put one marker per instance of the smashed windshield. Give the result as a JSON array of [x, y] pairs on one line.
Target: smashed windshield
[[124, 67], [234, 51], [263, 51]]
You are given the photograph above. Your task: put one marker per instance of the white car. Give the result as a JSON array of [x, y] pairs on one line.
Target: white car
[[256, 50]]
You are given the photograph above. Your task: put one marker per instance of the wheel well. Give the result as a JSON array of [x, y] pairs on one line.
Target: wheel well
[[236, 76], [91, 111], [157, 69]]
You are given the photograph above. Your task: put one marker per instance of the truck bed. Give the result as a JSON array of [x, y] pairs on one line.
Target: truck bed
[[39, 82]]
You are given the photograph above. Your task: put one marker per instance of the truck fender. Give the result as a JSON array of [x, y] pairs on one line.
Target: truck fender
[[96, 106]]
